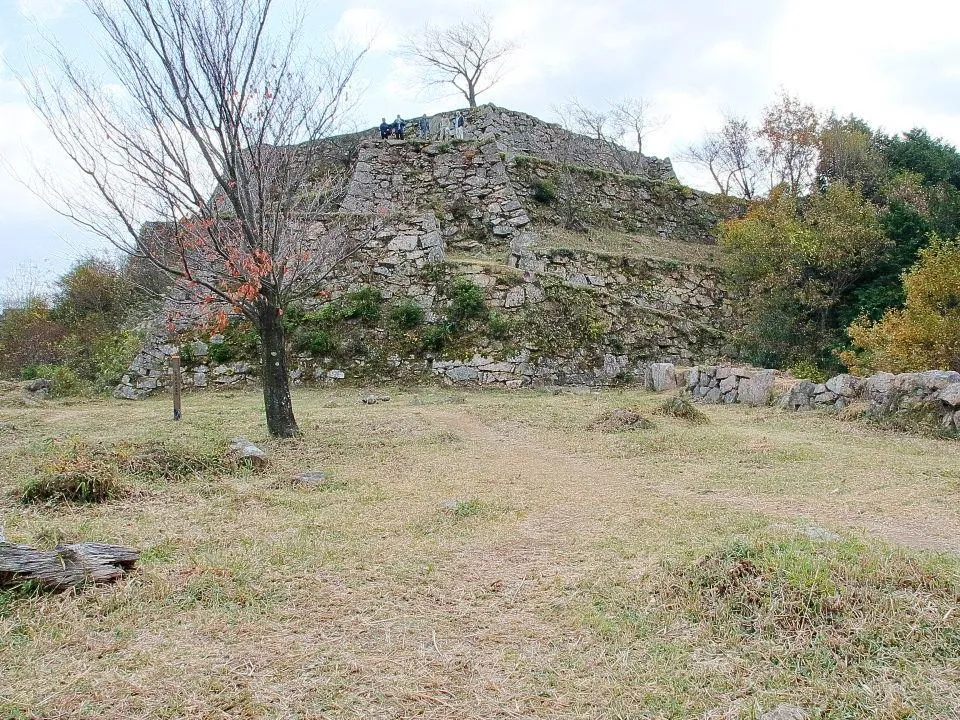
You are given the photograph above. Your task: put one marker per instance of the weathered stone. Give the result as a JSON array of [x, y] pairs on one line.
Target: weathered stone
[[37, 385], [242, 451], [335, 374], [845, 385], [713, 396], [800, 395], [463, 373], [729, 384], [784, 712], [660, 377], [403, 243], [515, 297], [950, 395], [938, 379], [198, 348], [311, 478], [879, 384], [755, 390]]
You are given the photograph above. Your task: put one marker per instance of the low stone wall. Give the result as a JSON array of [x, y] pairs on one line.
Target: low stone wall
[[882, 393]]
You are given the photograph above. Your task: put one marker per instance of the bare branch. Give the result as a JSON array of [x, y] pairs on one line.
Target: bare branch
[[464, 55], [209, 126]]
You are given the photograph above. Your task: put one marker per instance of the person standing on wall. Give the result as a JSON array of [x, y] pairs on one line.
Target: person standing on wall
[[424, 128], [460, 122], [384, 129], [398, 125]]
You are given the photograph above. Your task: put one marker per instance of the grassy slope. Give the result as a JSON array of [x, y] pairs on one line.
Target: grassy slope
[[559, 587]]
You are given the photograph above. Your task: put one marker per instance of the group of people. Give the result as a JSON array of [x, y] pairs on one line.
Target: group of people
[[443, 128]]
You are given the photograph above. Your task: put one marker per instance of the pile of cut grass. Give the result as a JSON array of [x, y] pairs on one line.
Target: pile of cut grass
[[86, 472], [681, 408], [620, 419]]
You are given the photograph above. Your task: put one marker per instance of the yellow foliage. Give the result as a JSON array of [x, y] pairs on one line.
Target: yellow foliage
[[925, 334]]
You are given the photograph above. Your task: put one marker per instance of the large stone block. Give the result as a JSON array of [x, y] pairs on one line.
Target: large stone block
[[845, 385], [462, 373], [660, 377], [755, 390], [950, 395]]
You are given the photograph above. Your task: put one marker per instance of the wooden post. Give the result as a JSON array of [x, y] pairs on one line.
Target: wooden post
[[175, 367]]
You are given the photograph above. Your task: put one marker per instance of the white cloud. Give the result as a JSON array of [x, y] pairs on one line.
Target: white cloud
[[43, 10], [367, 27]]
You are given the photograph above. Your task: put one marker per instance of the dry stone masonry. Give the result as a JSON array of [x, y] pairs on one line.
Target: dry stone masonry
[[882, 394]]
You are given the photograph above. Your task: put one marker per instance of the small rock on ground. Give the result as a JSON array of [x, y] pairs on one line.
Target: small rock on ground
[[374, 399], [311, 477], [242, 450]]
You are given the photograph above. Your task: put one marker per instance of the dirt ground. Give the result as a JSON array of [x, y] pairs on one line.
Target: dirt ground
[[460, 561]]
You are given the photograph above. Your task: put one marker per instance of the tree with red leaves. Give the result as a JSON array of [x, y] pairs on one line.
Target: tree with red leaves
[[210, 123]]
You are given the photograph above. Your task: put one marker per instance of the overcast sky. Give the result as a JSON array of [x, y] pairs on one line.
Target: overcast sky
[[896, 64]]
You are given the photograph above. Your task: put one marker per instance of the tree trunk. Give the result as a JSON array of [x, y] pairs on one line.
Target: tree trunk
[[273, 371], [65, 567], [471, 95]]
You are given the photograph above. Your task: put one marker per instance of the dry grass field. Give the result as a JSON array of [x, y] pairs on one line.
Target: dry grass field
[[486, 555]]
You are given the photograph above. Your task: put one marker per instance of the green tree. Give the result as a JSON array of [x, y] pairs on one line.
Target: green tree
[[925, 333], [847, 153], [796, 263]]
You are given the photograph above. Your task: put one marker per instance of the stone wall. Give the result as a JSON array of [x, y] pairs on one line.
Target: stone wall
[[466, 184], [692, 291], [627, 203], [517, 133], [937, 391]]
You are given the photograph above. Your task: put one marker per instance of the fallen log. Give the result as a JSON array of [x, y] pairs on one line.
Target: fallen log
[[65, 566]]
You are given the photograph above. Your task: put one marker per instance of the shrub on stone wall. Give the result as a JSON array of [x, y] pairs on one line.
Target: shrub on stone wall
[[544, 191], [363, 304], [406, 315], [466, 303]]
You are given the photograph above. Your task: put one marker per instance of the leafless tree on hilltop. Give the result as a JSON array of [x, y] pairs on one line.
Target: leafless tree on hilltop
[[465, 55]]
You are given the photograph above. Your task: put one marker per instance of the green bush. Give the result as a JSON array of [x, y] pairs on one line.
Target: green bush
[[240, 341], [467, 303], [222, 352], [314, 341], [63, 380], [805, 369], [544, 191], [437, 336], [362, 304], [407, 315], [500, 326]]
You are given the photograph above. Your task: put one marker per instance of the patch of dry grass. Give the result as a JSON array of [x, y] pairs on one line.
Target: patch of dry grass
[[570, 576]]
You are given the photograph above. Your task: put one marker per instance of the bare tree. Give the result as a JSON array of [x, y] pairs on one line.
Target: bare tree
[[28, 282], [708, 154], [587, 120], [210, 123], [635, 117], [730, 156], [790, 131], [465, 55], [740, 155]]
